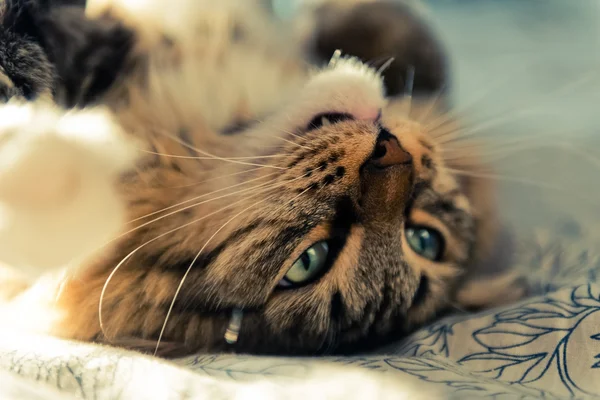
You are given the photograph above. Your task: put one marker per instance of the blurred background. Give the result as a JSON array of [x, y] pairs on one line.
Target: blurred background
[[526, 74], [532, 67]]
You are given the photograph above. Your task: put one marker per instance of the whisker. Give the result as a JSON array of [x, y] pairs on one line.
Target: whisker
[[516, 112], [385, 66], [589, 157], [378, 60], [509, 148], [290, 141], [408, 89], [204, 195], [212, 158], [494, 123], [519, 180], [432, 104], [133, 252], [287, 132], [192, 206], [458, 149], [562, 90], [183, 143], [185, 275], [214, 179], [515, 179], [474, 101]]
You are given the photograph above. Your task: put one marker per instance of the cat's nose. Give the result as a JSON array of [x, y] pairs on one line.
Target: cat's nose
[[387, 180], [388, 152]]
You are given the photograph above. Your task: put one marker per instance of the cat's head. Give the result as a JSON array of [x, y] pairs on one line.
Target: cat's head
[[335, 223], [331, 220]]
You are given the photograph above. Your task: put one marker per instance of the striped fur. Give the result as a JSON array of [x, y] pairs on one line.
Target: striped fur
[[186, 74]]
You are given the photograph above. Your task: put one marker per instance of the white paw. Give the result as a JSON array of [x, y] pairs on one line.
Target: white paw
[[58, 199]]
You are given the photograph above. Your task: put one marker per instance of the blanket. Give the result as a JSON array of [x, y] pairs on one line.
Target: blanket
[[547, 346]]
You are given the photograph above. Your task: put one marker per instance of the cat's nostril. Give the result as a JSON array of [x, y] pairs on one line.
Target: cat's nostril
[[388, 152]]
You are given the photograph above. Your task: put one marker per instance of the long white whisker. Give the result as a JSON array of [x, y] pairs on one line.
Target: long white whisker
[[133, 252], [287, 132], [518, 180], [212, 158], [547, 97], [385, 65], [114, 271], [183, 143], [215, 178], [204, 195], [195, 205], [290, 141], [432, 104], [495, 122], [198, 255]]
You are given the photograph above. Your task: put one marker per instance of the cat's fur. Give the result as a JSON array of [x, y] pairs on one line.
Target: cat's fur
[[208, 92]]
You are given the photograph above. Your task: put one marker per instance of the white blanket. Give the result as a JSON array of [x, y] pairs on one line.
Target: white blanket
[[546, 346]]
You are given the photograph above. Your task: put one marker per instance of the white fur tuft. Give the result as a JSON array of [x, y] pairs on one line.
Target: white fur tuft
[[58, 201]]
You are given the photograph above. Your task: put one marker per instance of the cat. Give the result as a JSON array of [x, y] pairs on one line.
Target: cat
[[197, 185]]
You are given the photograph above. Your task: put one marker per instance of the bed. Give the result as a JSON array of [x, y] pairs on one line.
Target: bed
[[547, 346]]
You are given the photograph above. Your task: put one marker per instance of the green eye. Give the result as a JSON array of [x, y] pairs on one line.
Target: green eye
[[426, 242], [308, 266]]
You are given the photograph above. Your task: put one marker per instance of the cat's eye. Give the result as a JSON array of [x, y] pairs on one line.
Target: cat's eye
[[307, 267], [426, 242]]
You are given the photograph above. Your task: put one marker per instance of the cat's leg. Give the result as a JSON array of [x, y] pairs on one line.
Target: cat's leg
[[390, 34], [58, 198]]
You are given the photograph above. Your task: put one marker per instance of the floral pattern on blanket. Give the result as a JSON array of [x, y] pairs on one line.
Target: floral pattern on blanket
[[547, 346]]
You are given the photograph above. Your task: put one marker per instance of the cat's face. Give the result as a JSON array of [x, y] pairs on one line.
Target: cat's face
[[364, 237], [330, 222], [355, 230]]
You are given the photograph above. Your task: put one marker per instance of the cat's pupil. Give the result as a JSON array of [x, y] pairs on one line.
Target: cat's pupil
[[305, 258], [424, 239], [307, 267]]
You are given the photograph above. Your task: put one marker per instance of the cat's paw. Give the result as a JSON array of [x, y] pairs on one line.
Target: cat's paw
[[58, 198], [376, 32]]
